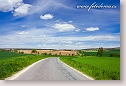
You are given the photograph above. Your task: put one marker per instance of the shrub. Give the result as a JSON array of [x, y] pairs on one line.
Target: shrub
[[22, 52], [114, 55], [50, 53], [34, 51]]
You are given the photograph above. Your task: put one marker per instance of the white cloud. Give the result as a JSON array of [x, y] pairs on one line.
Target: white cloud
[[79, 43], [42, 6], [44, 37], [59, 20], [17, 7], [9, 5], [22, 33], [22, 10], [70, 21], [47, 16], [78, 30], [67, 41], [64, 27], [92, 29]]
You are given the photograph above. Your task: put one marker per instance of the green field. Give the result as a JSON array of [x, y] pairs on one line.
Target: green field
[[7, 54], [99, 68], [96, 67], [11, 62], [107, 53], [106, 67], [107, 64]]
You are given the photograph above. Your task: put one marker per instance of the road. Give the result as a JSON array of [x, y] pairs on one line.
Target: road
[[50, 69]]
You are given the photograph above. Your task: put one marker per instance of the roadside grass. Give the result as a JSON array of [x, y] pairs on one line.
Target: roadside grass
[[99, 68], [12, 65]]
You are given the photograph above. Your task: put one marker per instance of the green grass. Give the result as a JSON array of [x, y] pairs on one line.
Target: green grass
[[11, 62], [7, 54], [98, 68], [109, 64], [12, 65], [107, 53]]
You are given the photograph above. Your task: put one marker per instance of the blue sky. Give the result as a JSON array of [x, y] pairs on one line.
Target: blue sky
[[59, 24]]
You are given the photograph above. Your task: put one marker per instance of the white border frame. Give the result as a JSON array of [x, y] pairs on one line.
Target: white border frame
[[121, 82]]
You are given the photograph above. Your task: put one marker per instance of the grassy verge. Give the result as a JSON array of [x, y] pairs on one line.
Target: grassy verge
[[98, 68], [10, 66]]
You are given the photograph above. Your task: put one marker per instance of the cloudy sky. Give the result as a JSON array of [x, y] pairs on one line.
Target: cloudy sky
[[59, 24]]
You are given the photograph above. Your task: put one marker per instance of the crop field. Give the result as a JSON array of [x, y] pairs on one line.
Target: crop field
[[106, 67], [12, 65], [99, 68], [53, 52], [96, 67], [107, 53], [6, 55], [12, 62]]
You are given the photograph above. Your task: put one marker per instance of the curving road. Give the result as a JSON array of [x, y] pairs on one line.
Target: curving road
[[49, 69]]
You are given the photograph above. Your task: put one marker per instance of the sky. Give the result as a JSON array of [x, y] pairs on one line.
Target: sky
[[59, 24]]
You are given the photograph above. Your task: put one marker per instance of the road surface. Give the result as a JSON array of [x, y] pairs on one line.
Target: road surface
[[50, 69]]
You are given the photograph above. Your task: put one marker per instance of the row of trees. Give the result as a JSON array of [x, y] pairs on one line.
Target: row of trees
[[35, 51], [99, 52]]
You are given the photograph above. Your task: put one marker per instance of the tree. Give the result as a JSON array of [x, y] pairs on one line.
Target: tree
[[15, 51], [34, 51], [59, 53], [82, 53], [72, 54], [22, 52], [100, 51], [50, 53], [45, 53]]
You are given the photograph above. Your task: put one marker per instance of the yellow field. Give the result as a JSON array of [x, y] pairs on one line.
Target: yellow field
[[53, 52]]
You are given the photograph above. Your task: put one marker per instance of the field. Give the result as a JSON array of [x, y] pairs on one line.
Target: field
[[12, 62], [107, 53], [99, 68], [6, 55], [52, 52], [96, 67], [106, 67]]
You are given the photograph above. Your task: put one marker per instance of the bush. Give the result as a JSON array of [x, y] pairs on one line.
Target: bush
[[50, 53], [72, 54], [114, 55], [22, 52], [34, 51], [45, 53]]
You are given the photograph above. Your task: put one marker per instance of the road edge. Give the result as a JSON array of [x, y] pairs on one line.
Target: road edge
[[23, 70], [76, 70]]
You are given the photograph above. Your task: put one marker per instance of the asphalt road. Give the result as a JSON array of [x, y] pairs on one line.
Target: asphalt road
[[50, 69]]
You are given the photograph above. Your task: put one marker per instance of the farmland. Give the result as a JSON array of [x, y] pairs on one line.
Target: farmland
[[52, 52], [99, 68], [106, 67], [106, 53], [9, 65], [6, 55]]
